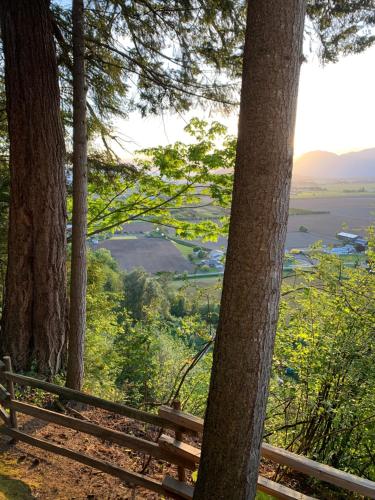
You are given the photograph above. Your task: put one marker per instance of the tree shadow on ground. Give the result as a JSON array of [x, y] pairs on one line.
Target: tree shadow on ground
[[14, 489]]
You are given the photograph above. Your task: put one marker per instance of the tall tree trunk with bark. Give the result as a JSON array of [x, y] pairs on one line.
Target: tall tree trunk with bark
[[34, 317], [251, 289], [78, 269]]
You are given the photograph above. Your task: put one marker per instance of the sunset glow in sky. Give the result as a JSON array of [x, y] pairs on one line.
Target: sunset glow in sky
[[336, 105], [336, 110]]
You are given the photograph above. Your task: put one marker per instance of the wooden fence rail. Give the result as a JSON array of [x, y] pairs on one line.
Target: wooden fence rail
[[171, 449], [117, 437], [7, 400], [279, 455], [72, 395], [12, 413]]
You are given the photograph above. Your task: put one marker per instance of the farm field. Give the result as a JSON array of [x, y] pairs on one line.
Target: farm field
[[124, 237], [334, 190], [183, 249], [211, 286], [323, 217], [304, 211], [153, 254], [356, 213], [138, 227]]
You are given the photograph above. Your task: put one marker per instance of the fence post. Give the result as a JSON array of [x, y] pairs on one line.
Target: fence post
[[176, 405], [10, 385]]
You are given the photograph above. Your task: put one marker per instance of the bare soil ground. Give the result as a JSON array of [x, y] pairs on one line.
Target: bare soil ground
[[356, 213], [138, 227], [153, 254], [29, 473]]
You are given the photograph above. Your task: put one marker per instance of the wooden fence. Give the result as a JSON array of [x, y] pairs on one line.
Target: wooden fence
[[170, 449], [280, 456]]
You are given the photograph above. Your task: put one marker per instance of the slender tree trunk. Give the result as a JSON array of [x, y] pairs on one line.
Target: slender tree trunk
[[78, 268], [249, 306], [34, 317]]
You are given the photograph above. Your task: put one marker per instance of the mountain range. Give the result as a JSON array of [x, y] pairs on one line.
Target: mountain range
[[325, 165]]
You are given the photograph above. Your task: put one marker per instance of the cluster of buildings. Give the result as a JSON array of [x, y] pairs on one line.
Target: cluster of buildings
[[353, 244], [215, 260], [353, 239]]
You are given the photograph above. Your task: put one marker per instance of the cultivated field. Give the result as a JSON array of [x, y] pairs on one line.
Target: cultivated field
[[322, 216], [153, 254], [211, 286], [327, 217], [355, 214], [314, 189], [138, 227]]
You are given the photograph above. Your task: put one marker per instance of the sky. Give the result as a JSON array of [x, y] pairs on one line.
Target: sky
[[336, 111]]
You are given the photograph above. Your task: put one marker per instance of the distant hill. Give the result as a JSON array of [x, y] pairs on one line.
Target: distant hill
[[325, 165]]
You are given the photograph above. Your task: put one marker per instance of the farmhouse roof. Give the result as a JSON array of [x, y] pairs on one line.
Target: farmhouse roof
[[348, 235]]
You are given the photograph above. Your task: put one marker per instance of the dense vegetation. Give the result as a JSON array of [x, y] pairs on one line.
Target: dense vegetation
[[147, 341]]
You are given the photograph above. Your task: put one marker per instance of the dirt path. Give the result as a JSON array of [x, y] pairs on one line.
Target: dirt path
[[30, 473]]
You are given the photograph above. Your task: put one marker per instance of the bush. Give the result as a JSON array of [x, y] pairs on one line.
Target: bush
[[321, 394]]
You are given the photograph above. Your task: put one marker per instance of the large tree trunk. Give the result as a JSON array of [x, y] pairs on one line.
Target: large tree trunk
[[34, 318], [78, 268], [249, 306]]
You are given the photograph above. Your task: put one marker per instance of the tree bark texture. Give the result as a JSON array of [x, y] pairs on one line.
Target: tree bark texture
[[79, 266], [34, 317], [251, 289]]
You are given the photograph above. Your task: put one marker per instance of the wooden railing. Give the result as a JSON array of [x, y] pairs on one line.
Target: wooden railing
[[10, 428], [278, 455], [171, 449]]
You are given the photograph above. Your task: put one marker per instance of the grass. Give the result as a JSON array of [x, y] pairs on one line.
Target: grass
[[124, 237], [263, 496], [212, 212], [183, 249], [338, 189], [350, 187], [211, 283], [304, 211], [353, 259], [220, 212]]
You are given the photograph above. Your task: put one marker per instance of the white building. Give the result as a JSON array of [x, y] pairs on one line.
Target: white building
[[347, 236]]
